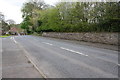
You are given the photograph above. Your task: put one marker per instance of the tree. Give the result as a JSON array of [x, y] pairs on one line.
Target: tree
[[31, 13], [11, 23], [2, 16], [73, 17], [3, 24]]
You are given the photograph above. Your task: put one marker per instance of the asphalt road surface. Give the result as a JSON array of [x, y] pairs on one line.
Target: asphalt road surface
[[62, 59]]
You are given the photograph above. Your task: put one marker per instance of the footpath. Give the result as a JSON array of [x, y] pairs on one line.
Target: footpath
[[14, 62], [0, 58]]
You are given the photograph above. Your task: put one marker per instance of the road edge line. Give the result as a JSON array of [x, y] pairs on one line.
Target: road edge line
[[30, 59]]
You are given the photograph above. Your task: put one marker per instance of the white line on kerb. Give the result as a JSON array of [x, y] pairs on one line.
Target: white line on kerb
[[47, 43], [73, 51]]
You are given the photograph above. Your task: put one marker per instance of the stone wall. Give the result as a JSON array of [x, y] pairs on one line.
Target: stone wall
[[106, 38]]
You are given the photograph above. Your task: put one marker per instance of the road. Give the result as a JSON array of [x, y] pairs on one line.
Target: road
[[63, 59]]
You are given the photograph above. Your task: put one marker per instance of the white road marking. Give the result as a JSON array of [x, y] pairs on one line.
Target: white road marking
[[47, 43], [73, 51], [31, 59], [118, 64], [11, 37], [81, 53], [14, 40]]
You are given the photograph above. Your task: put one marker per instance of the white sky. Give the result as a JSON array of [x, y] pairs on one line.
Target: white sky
[[12, 8]]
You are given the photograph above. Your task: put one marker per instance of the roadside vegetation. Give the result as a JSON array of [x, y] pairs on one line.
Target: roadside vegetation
[[71, 17], [8, 27]]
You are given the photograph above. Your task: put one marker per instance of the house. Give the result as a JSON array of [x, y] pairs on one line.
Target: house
[[14, 31]]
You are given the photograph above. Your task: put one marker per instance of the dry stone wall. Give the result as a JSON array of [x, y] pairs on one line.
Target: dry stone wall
[[106, 38]]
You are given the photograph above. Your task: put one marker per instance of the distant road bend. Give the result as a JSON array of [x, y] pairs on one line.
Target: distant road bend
[[61, 59]]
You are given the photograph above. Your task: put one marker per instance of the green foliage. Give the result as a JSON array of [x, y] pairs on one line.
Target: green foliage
[[31, 12], [24, 25], [76, 17]]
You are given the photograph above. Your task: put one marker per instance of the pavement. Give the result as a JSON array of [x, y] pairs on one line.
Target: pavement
[[0, 58], [55, 58], [14, 62]]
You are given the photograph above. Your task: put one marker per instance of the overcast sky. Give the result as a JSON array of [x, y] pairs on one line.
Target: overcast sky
[[12, 8]]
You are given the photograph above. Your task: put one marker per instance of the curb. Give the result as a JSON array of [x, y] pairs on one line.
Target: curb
[[32, 61]]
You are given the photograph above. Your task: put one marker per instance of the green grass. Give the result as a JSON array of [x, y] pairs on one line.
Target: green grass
[[3, 36]]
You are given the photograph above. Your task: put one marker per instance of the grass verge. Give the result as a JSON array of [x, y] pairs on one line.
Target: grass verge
[[3, 36]]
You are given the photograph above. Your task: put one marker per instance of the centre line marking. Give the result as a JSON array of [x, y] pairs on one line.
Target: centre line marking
[[73, 51], [47, 43]]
